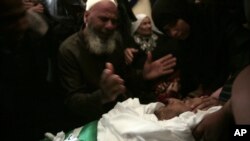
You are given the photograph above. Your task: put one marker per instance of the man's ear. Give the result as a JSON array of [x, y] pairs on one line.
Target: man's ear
[[85, 16]]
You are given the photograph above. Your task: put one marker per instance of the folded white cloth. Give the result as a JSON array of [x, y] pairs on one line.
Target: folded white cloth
[[132, 121]]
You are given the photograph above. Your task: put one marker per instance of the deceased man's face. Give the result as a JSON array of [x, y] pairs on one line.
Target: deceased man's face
[[173, 108]]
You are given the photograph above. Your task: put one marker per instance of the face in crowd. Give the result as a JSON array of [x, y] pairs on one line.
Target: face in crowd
[[145, 28], [179, 29], [102, 19], [101, 27]]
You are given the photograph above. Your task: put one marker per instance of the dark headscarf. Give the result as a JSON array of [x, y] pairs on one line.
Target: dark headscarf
[[168, 11]]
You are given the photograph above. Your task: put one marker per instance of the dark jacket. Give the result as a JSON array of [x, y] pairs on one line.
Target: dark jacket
[[80, 72], [28, 100], [215, 40]]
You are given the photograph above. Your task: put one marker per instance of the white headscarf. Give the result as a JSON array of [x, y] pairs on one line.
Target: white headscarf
[[136, 24], [91, 3]]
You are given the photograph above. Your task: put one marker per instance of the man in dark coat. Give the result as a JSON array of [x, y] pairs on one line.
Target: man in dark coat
[[92, 65], [83, 66]]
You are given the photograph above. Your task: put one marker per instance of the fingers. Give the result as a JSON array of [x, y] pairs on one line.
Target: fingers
[[119, 89], [39, 8], [175, 87], [111, 84], [205, 103], [167, 58], [28, 5], [167, 71], [110, 67], [105, 74], [129, 58], [129, 55], [194, 102], [167, 63], [133, 50], [157, 68], [112, 87], [149, 57], [108, 75], [113, 81]]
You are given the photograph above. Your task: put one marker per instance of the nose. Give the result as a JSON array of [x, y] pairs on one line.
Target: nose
[[149, 25], [110, 25]]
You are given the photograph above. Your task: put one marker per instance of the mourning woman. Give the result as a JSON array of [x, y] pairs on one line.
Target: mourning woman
[[147, 39]]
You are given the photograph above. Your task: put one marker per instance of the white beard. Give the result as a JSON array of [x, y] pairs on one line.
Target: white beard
[[97, 46]]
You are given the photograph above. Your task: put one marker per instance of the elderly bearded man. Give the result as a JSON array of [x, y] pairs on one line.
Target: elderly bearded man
[[92, 66]]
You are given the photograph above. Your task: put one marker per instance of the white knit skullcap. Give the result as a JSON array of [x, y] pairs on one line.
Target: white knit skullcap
[[136, 24], [91, 3]]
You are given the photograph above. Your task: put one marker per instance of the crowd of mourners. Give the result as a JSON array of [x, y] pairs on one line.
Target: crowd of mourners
[[65, 63]]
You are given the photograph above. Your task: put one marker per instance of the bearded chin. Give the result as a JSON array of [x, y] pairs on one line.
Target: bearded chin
[[97, 45]]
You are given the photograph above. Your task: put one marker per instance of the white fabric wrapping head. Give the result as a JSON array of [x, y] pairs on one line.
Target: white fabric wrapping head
[[91, 3], [136, 24]]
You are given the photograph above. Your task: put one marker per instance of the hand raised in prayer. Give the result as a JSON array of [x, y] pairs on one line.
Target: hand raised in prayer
[[157, 68], [111, 84]]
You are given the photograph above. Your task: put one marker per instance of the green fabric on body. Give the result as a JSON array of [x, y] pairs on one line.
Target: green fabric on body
[[87, 133]]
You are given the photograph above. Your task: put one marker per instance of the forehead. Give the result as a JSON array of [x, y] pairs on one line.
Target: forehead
[[146, 19], [105, 8]]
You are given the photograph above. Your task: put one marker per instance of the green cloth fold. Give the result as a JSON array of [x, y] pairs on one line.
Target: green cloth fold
[[89, 132]]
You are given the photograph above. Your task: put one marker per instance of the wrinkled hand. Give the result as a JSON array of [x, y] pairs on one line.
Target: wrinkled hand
[[37, 8], [173, 87], [28, 5], [159, 67], [129, 55], [111, 84], [204, 102]]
